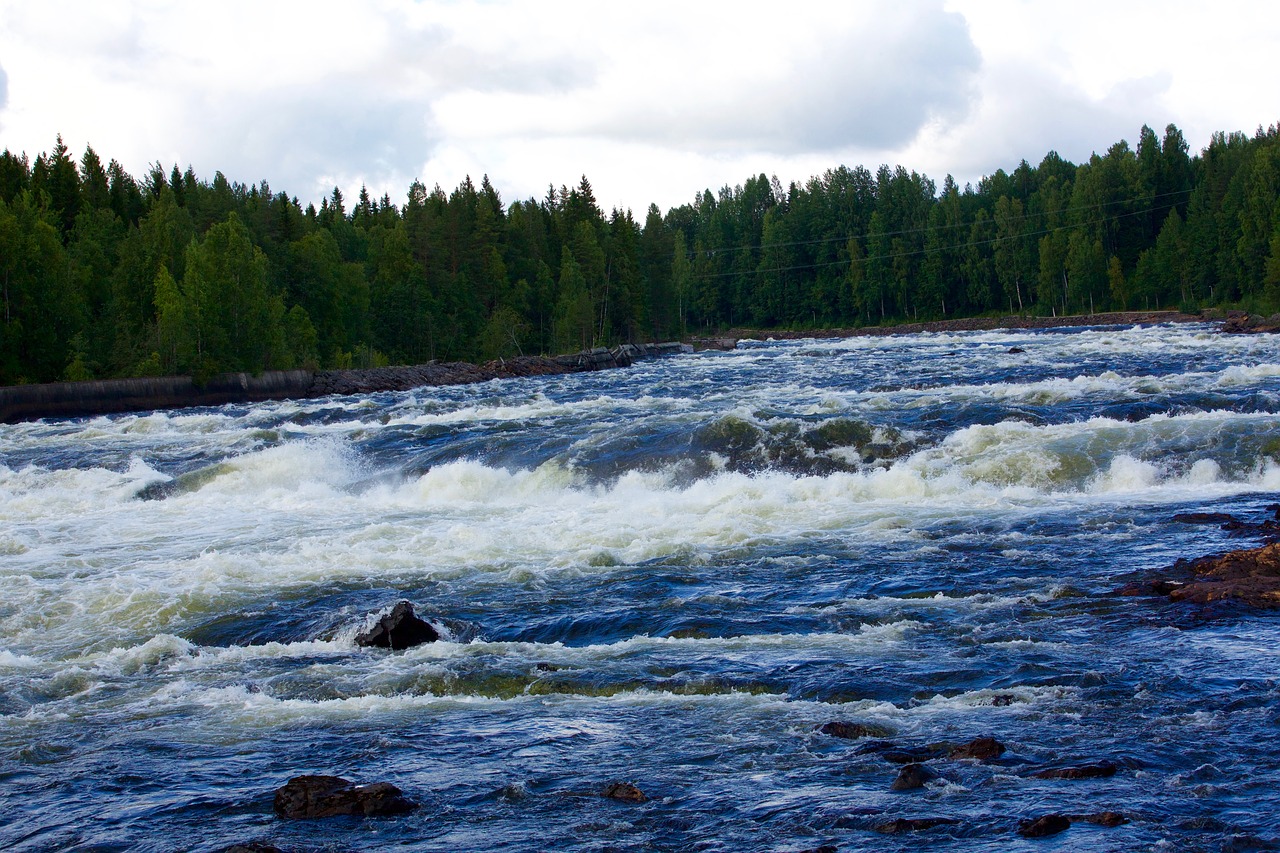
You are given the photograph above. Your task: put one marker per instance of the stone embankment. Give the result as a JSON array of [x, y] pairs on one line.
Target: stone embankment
[[106, 396]]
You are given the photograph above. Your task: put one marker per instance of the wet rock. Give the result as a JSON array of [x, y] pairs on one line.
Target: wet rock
[[917, 824], [912, 776], [399, 629], [1107, 819], [1016, 350], [982, 749], [625, 792], [1041, 827], [1251, 576], [895, 754], [1205, 518], [1101, 770], [326, 796], [851, 731]]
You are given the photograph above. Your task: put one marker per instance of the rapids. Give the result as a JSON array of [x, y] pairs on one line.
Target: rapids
[[669, 575]]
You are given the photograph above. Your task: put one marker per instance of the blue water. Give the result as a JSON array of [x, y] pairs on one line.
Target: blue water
[[670, 575]]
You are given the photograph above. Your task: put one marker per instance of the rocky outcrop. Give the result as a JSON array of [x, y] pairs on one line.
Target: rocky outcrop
[[305, 797], [399, 629], [1250, 576], [1240, 323]]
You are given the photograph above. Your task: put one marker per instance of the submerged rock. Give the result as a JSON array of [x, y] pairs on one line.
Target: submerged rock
[[1050, 824], [326, 796], [981, 749], [399, 629], [851, 731], [1107, 819], [912, 776], [915, 824], [1101, 770], [624, 791]]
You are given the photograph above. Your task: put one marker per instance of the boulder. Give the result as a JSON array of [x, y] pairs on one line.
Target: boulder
[[399, 629], [981, 749], [1107, 819], [326, 796], [912, 776], [1050, 824], [1249, 576], [624, 791], [851, 731], [1101, 770], [915, 824]]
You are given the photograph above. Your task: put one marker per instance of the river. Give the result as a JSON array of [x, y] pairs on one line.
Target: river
[[669, 575]]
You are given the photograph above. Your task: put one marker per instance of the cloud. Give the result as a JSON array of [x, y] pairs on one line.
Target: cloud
[[4, 89]]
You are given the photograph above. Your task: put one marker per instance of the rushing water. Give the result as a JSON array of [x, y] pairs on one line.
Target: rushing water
[[669, 575]]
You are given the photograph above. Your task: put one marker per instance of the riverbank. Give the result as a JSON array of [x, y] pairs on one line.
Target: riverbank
[[983, 324], [109, 396]]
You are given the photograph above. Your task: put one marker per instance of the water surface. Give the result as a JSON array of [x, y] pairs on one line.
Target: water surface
[[669, 575]]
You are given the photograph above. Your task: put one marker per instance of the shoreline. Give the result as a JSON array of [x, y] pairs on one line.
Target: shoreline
[[983, 324], [20, 403]]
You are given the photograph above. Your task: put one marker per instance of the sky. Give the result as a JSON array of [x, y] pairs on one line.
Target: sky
[[652, 101]]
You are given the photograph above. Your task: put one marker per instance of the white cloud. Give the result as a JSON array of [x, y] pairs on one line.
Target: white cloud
[[653, 102]]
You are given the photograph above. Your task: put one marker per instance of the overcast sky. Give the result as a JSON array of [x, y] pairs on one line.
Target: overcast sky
[[653, 101]]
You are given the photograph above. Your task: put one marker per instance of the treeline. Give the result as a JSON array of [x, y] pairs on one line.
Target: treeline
[[107, 275]]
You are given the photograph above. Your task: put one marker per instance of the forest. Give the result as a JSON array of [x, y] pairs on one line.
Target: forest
[[104, 274]]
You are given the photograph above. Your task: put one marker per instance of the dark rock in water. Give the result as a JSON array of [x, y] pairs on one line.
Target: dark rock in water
[[1050, 824], [1107, 819], [826, 848], [912, 776], [1250, 576], [1101, 770], [624, 791], [252, 847], [982, 749], [895, 754], [399, 629], [851, 731], [327, 796], [1016, 350], [916, 824], [1204, 518]]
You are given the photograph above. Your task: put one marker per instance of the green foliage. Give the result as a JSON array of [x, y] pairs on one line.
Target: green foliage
[[105, 275]]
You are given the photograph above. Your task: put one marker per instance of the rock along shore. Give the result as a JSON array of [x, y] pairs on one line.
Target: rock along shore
[[106, 396]]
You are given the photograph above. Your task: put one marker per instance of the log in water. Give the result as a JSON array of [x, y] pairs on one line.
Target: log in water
[[668, 580]]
